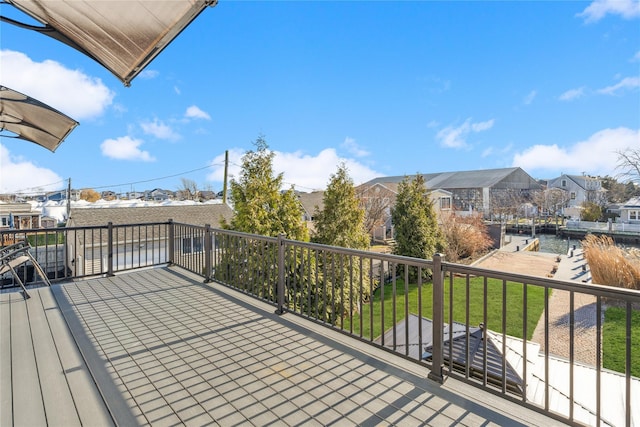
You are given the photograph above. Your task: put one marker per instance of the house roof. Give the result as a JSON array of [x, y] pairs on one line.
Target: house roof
[[613, 412], [124, 37], [633, 203], [484, 178], [202, 214], [458, 333], [309, 201]]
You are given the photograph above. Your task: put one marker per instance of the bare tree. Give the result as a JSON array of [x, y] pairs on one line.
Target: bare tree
[[506, 203], [376, 202], [551, 200], [629, 164], [188, 190]]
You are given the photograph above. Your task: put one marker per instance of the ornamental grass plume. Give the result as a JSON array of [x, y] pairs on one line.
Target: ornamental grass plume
[[610, 264]]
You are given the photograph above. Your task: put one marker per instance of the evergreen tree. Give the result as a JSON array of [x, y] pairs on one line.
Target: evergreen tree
[[259, 204], [416, 227], [260, 208], [341, 221]]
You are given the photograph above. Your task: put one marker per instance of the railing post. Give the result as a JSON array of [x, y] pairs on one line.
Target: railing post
[[438, 321], [280, 284], [109, 249], [170, 257], [207, 253]]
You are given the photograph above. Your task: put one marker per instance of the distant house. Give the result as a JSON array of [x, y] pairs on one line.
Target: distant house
[[472, 191], [378, 199], [87, 254], [134, 195], [108, 195], [580, 188], [19, 216], [206, 195], [309, 203], [58, 196], [630, 211], [48, 222], [157, 195]]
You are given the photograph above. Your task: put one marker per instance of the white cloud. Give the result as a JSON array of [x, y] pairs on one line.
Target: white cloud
[[125, 148], [572, 94], [596, 156], [18, 175], [69, 91], [149, 74], [456, 137], [159, 130], [353, 148], [530, 97], [598, 9], [636, 57], [626, 83], [487, 152], [194, 112], [305, 172]]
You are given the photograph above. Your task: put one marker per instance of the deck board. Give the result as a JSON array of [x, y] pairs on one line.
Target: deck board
[[90, 407], [6, 395], [27, 395], [59, 406], [159, 347]]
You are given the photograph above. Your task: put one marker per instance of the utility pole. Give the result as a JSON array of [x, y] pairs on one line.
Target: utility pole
[[224, 184], [68, 199]]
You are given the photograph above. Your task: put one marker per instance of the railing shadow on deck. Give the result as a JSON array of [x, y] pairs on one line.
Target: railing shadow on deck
[[459, 321]]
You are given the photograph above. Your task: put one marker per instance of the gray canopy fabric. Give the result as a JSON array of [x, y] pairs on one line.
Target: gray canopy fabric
[[123, 36], [32, 120]]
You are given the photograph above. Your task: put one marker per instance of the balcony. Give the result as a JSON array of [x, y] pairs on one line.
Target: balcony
[[170, 324]]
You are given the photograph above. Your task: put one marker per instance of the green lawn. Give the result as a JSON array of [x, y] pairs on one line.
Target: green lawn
[[614, 333], [614, 327], [513, 306]]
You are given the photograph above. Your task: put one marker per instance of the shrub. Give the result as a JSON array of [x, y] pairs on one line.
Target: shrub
[[465, 237], [610, 264]]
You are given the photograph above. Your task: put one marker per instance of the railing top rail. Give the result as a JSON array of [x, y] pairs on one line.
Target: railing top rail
[[246, 235]]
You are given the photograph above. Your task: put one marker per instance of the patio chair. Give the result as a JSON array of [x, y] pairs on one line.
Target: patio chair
[[15, 255]]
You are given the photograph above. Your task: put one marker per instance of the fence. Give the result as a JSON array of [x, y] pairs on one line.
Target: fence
[[608, 227], [456, 320]]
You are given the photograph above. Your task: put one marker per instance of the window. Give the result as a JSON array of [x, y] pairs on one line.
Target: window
[[564, 183], [192, 245], [445, 202], [634, 215], [573, 195]]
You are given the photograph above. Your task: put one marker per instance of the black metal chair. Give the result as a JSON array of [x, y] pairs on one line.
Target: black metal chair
[[13, 256]]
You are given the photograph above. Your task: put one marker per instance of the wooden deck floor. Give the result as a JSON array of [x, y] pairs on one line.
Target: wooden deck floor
[[158, 347]]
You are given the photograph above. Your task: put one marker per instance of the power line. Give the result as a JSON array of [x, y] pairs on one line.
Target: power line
[[157, 179]]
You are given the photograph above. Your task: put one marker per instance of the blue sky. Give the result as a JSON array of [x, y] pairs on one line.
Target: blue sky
[[389, 88]]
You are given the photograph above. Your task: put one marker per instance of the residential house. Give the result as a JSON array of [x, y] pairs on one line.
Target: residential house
[[48, 222], [630, 211], [108, 195], [481, 191], [378, 199], [19, 216], [310, 203], [581, 189], [206, 195], [91, 260], [158, 195]]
